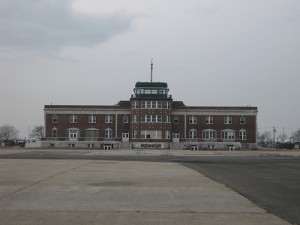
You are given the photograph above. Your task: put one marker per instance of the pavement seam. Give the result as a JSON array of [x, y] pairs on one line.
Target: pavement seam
[[40, 181]]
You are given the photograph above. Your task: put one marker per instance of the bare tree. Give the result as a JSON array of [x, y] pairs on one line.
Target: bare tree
[[296, 135], [38, 132], [265, 138], [282, 137], [8, 132]]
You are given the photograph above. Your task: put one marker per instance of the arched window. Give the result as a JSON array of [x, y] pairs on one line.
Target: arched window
[[108, 133], [192, 134], [209, 134], [91, 134], [54, 132], [228, 134]]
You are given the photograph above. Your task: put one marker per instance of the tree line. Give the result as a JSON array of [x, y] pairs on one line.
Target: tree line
[[266, 139], [10, 135]]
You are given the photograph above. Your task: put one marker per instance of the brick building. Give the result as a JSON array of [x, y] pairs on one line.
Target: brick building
[[150, 119]]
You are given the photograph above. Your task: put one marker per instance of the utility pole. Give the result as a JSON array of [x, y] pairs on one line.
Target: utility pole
[[151, 70], [274, 132]]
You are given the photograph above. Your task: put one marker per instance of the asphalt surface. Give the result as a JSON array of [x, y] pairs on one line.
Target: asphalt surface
[[271, 182]]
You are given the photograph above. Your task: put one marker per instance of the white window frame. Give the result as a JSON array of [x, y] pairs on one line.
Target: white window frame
[[243, 135], [73, 118], [158, 104], [54, 118], [54, 132], [228, 120], [176, 119], [193, 119], [134, 104], [92, 118], [167, 105], [108, 133], [168, 119], [228, 134], [167, 134], [192, 134], [125, 118], [242, 120], [134, 119], [209, 119], [151, 134], [134, 134], [209, 134], [108, 118]]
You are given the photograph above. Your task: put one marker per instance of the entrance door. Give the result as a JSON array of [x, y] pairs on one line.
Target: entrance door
[[176, 137], [73, 135], [125, 137]]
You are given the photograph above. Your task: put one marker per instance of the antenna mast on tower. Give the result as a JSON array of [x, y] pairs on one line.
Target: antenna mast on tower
[[151, 70]]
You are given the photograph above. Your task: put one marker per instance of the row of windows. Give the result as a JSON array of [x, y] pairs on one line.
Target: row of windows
[[91, 118], [151, 91], [151, 105], [156, 134], [149, 118], [75, 133], [212, 134], [210, 119]]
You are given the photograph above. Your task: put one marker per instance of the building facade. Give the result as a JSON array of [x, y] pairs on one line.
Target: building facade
[[150, 119]]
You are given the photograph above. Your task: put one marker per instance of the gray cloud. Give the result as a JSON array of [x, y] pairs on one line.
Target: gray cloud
[[49, 25]]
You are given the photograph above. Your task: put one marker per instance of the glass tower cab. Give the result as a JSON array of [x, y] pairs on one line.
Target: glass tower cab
[[151, 90]]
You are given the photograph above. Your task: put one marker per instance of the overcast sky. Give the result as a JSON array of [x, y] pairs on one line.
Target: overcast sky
[[210, 52]]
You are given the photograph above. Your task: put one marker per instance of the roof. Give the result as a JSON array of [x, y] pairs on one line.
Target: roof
[[151, 84]]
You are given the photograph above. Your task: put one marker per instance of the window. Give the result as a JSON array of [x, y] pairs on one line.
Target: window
[[134, 134], [167, 105], [209, 134], [125, 119], [151, 134], [242, 120], [175, 119], [73, 118], [54, 133], [134, 119], [228, 120], [54, 118], [151, 104], [156, 118], [134, 104], [209, 120], [192, 134], [168, 120], [151, 119], [159, 105], [108, 118], [148, 105], [228, 135], [108, 133], [167, 134], [92, 118], [243, 135], [91, 134], [192, 119]]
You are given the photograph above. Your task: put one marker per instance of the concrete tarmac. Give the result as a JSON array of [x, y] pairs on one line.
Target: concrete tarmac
[[62, 192]]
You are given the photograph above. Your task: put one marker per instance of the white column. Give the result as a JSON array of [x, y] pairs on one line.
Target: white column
[[116, 128]]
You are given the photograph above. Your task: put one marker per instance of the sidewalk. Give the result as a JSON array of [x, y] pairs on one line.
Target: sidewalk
[[164, 152], [34, 192]]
